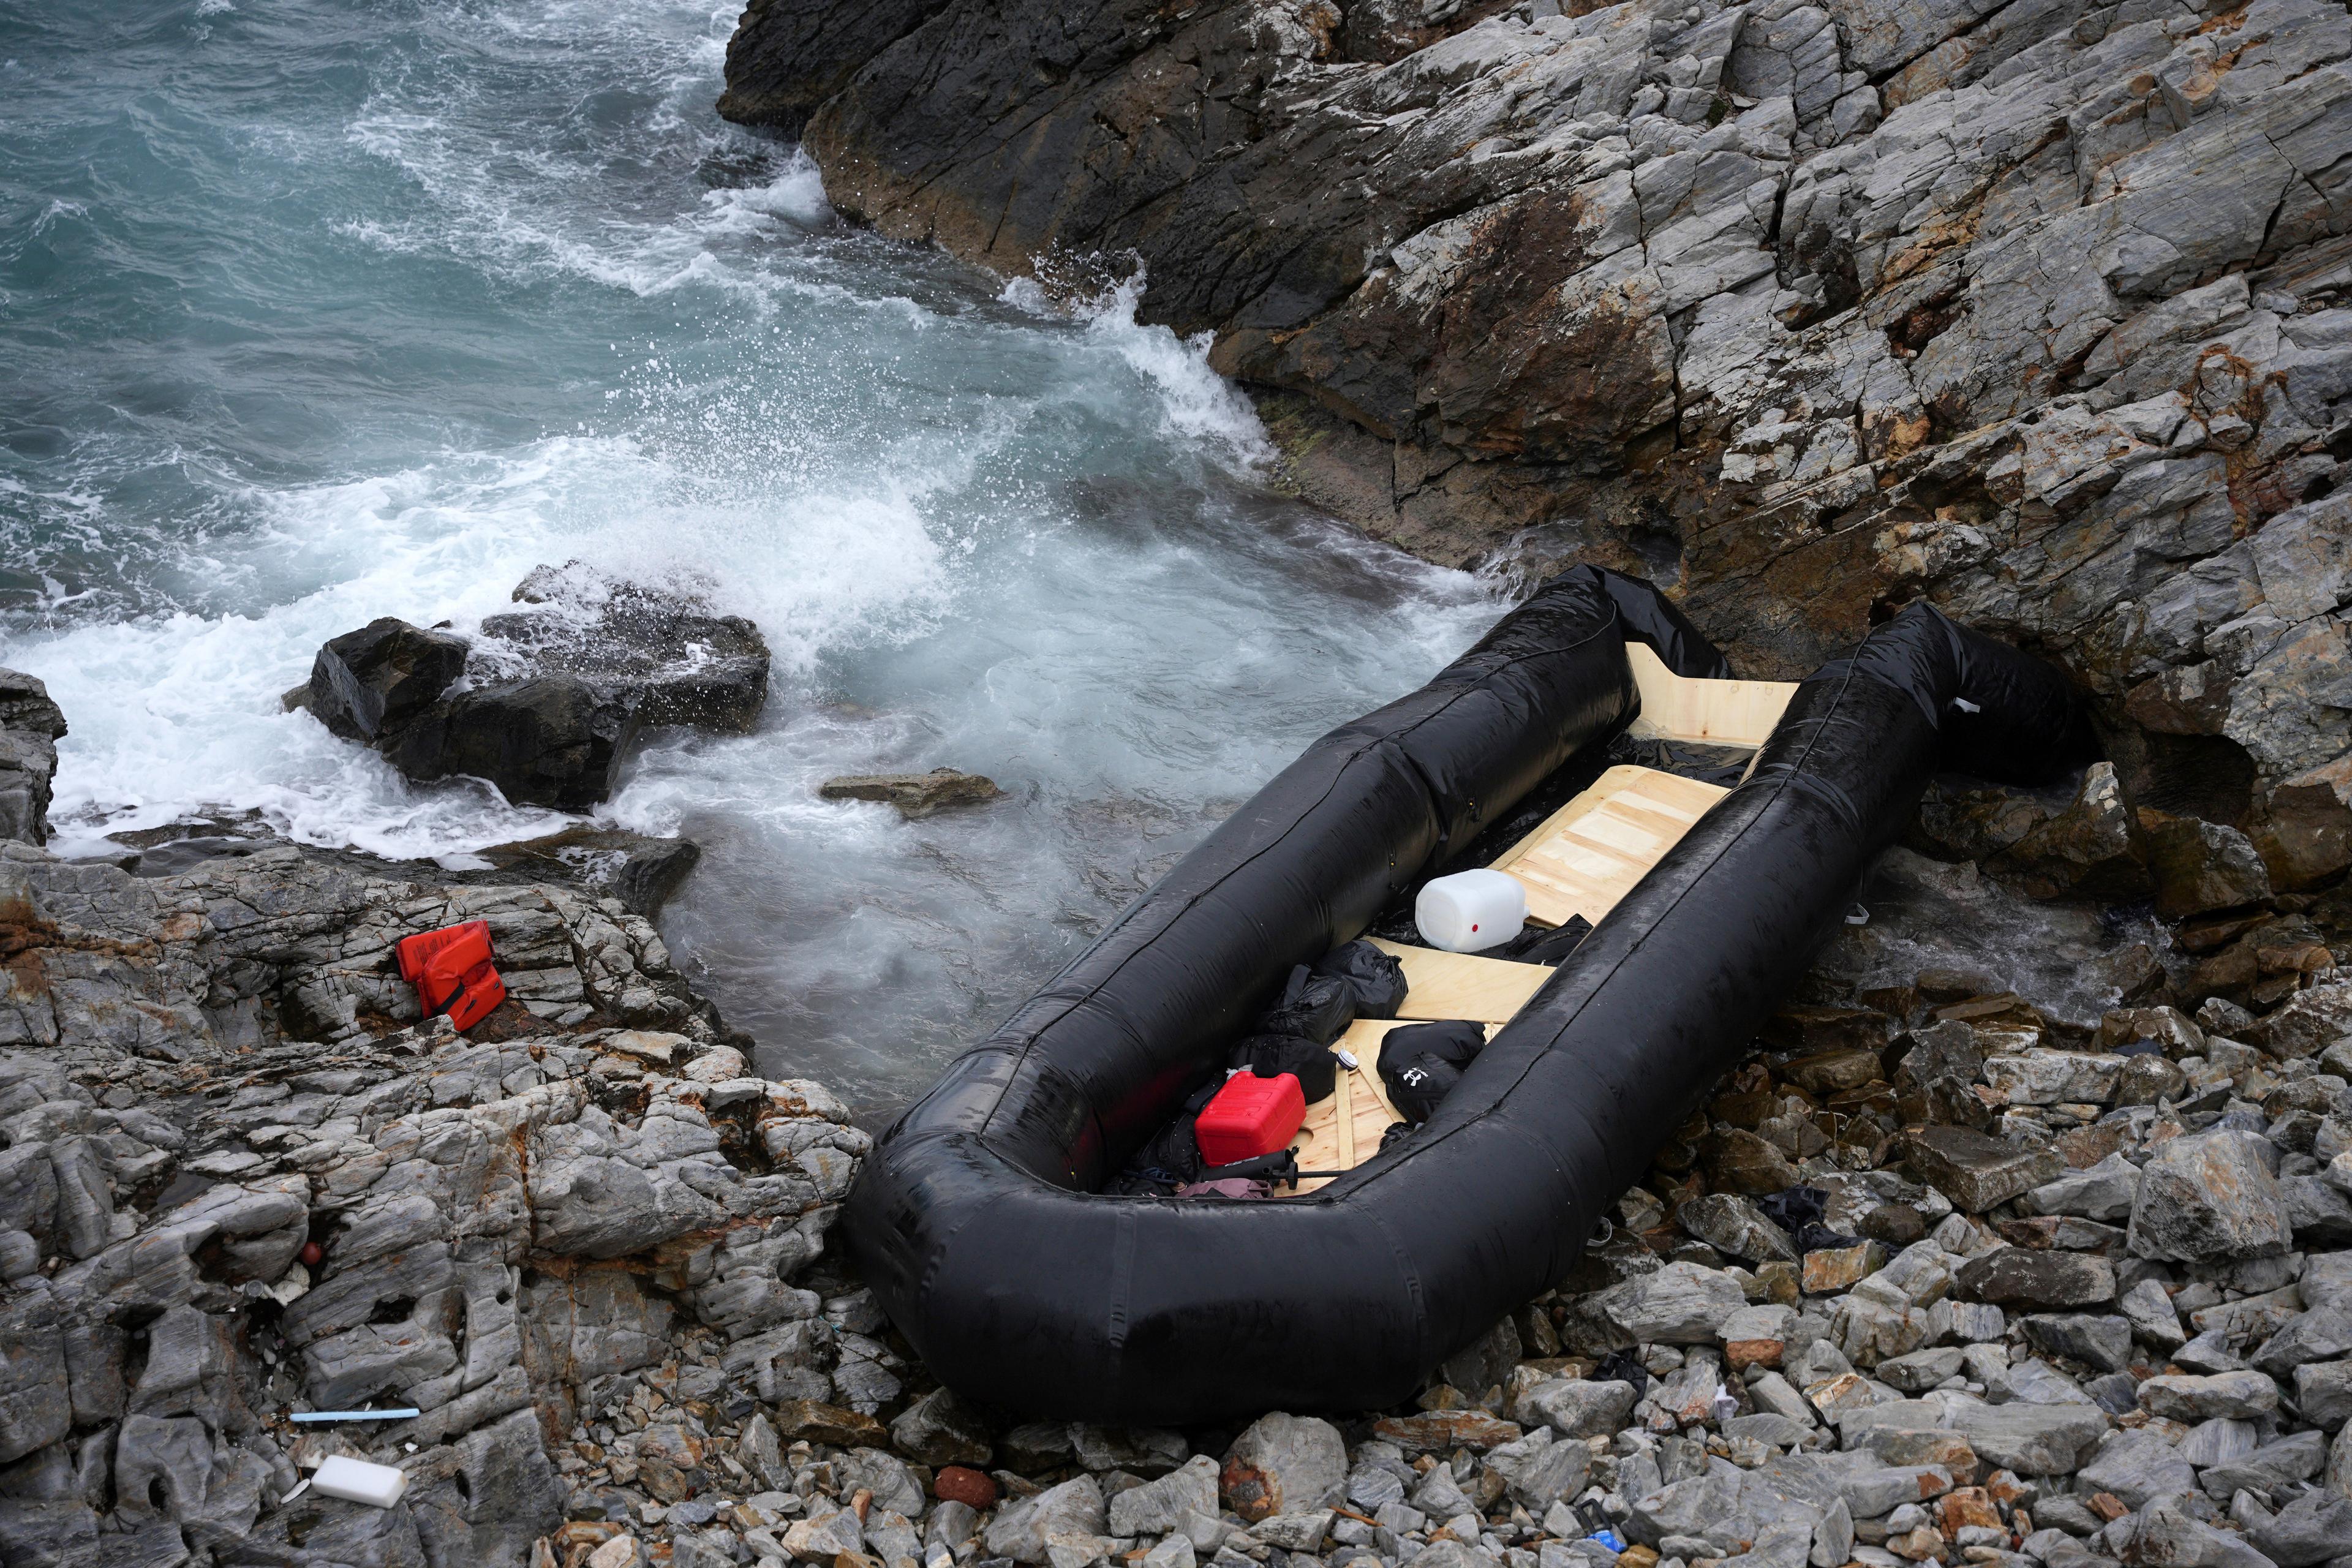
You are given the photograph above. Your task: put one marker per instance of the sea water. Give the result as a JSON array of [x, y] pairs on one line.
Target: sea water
[[313, 312]]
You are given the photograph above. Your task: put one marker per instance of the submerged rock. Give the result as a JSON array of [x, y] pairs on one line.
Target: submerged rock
[[638, 869], [547, 702], [915, 794]]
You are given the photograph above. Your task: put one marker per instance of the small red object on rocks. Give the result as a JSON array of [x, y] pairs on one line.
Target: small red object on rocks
[[312, 1255], [961, 1483]]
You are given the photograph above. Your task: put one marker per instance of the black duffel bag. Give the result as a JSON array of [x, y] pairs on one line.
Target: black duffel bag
[[1421, 1063]]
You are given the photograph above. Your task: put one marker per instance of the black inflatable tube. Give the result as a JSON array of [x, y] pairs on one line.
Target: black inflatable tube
[[974, 1220]]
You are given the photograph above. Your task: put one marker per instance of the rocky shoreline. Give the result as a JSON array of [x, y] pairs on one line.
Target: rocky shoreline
[[1986, 1256], [1941, 1274], [2037, 310]]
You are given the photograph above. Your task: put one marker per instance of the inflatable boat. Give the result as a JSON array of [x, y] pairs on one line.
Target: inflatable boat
[[981, 1219]]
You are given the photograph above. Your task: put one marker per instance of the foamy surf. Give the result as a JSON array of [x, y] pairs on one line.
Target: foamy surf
[[496, 289]]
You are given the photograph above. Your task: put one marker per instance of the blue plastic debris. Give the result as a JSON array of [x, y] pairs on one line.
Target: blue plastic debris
[[1609, 1538]]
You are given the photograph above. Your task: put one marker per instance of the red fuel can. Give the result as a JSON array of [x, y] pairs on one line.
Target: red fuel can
[[1249, 1117]]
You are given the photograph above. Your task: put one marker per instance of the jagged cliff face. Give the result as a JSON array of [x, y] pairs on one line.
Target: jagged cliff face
[[2035, 309]]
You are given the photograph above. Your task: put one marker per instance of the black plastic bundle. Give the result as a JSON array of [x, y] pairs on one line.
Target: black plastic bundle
[[1317, 1007], [1374, 978]]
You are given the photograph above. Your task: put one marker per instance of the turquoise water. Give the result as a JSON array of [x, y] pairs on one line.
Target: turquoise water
[[311, 314]]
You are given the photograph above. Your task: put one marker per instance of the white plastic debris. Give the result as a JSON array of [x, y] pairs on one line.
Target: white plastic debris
[[1725, 1406], [1858, 916], [408, 1413], [356, 1480], [1347, 1059], [1965, 706], [1470, 911]]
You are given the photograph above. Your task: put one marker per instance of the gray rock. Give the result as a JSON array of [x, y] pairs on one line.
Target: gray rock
[[1156, 1508], [1681, 1304], [2104, 1342], [2149, 1308], [2211, 1197], [1735, 1226], [2323, 1393], [2323, 1333], [940, 1429], [2237, 1395], [2016, 1275], [1021, 1530], [1541, 1470], [1574, 1407], [2101, 1191], [1284, 1464], [2295, 1457], [1975, 1171], [2310, 1528], [2167, 1532], [2031, 1439]]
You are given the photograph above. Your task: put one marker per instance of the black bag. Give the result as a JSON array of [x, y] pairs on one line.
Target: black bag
[[1547, 944], [1313, 1007], [1271, 1056], [1376, 978], [1421, 1063]]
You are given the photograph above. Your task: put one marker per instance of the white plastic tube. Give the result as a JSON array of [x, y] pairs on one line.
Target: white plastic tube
[[1470, 911], [356, 1480]]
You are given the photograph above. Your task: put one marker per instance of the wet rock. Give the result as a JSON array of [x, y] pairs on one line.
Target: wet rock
[[2211, 1197], [915, 794], [640, 871], [373, 683], [552, 741], [1974, 1170], [1284, 1464], [555, 695], [30, 727]]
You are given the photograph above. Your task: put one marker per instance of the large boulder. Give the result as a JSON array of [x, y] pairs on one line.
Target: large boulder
[[553, 696], [2212, 1197], [371, 684]]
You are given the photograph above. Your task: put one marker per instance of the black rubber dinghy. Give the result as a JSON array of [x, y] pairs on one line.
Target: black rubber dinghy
[[978, 1222]]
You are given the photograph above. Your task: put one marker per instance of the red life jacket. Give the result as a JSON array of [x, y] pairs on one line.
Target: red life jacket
[[452, 972]]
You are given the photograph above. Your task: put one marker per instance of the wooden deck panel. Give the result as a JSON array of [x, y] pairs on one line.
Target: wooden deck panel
[[1589, 854], [1709, 712]]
